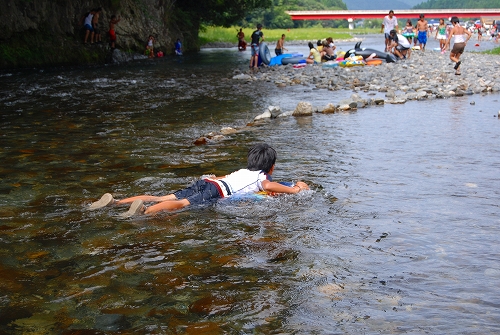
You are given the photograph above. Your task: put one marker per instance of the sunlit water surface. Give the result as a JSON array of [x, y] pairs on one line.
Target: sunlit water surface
[[398, 235]]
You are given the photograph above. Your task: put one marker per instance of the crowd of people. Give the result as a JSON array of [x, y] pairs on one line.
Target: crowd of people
[[91, 25], [397, 42], [323, 52], [400, 44]]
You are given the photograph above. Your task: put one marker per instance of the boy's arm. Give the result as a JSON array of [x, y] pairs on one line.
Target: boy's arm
[[271, 186]]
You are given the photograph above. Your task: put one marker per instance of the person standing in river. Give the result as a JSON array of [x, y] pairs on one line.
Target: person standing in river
[[422, 31], [242, 44], [460, 41], [408, 32], [389, 23], [257, 37], [280, 46]]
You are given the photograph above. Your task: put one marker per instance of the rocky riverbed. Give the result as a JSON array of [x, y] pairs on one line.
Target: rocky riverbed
[[426, 75]]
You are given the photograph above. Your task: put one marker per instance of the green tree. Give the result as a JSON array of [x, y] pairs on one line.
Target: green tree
[[275, 16], [215, 12], [443, 4]]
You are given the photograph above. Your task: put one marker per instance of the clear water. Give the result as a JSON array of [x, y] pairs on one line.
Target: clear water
[[399, 234]]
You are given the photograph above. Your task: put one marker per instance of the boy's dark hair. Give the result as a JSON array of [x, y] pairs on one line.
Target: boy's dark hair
[[113, 17], [319, 43], [455, 19], [259, 26], [261, 157]]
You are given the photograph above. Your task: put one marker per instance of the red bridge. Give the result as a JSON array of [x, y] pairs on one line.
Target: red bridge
[[400, 14]]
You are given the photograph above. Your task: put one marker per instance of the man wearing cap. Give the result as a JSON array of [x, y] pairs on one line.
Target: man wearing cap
[[423, 30]]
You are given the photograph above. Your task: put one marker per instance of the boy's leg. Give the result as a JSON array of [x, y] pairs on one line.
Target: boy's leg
[[168, 205], [108, 200], [147, 198]]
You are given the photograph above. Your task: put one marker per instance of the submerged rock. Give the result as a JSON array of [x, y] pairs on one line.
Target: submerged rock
[[265, 115], [228, 131], [329, 109], [303, 109]]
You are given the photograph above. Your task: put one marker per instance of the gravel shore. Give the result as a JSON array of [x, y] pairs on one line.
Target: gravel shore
[[426, 75]]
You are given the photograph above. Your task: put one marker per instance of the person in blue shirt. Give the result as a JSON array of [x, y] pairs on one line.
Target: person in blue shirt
[[178, 47]]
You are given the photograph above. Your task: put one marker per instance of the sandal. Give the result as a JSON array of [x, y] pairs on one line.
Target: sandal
[[457, 73], [106, 200], [137, 207]]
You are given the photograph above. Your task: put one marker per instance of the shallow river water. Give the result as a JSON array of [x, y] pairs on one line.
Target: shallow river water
[[398, 235]]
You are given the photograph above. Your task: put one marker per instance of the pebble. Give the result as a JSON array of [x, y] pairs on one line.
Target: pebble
[[426, 75]]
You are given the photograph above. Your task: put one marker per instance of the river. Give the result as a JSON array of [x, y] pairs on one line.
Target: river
[[398, 235]]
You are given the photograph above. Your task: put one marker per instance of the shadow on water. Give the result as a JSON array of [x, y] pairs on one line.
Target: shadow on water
[[397, 236]]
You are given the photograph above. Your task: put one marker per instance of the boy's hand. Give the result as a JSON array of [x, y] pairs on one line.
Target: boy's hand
[[302, 185]]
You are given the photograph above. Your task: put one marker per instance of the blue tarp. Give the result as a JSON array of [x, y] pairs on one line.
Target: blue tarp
[[277, 60]]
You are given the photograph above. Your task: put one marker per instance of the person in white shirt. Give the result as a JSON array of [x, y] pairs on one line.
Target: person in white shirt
[[256, 177], [399, 46], [389, 23]]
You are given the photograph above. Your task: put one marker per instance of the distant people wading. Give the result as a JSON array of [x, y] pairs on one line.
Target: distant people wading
[[423, 31], [441, 35], [242, 44], [257, 36], [389, 23], [460, 40], [280, 46], [408, 31]]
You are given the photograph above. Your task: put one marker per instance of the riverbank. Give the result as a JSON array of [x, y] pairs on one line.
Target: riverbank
[[426, 75], [213, 36]]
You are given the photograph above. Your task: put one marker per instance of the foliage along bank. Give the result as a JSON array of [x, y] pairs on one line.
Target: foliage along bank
[[49, 32]]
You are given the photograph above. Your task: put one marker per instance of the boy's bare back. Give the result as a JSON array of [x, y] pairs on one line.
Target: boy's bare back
[[112, 23]]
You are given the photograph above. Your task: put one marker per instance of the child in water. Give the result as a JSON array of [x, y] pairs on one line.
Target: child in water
[[261, 160], [441, 35], [150, 47]]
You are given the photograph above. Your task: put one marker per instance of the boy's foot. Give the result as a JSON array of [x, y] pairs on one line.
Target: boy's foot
[[458, 73], [106, 200], [137, 207], [457, 65]]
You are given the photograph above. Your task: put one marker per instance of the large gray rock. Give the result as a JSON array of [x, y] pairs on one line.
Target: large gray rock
[[303, 109]]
